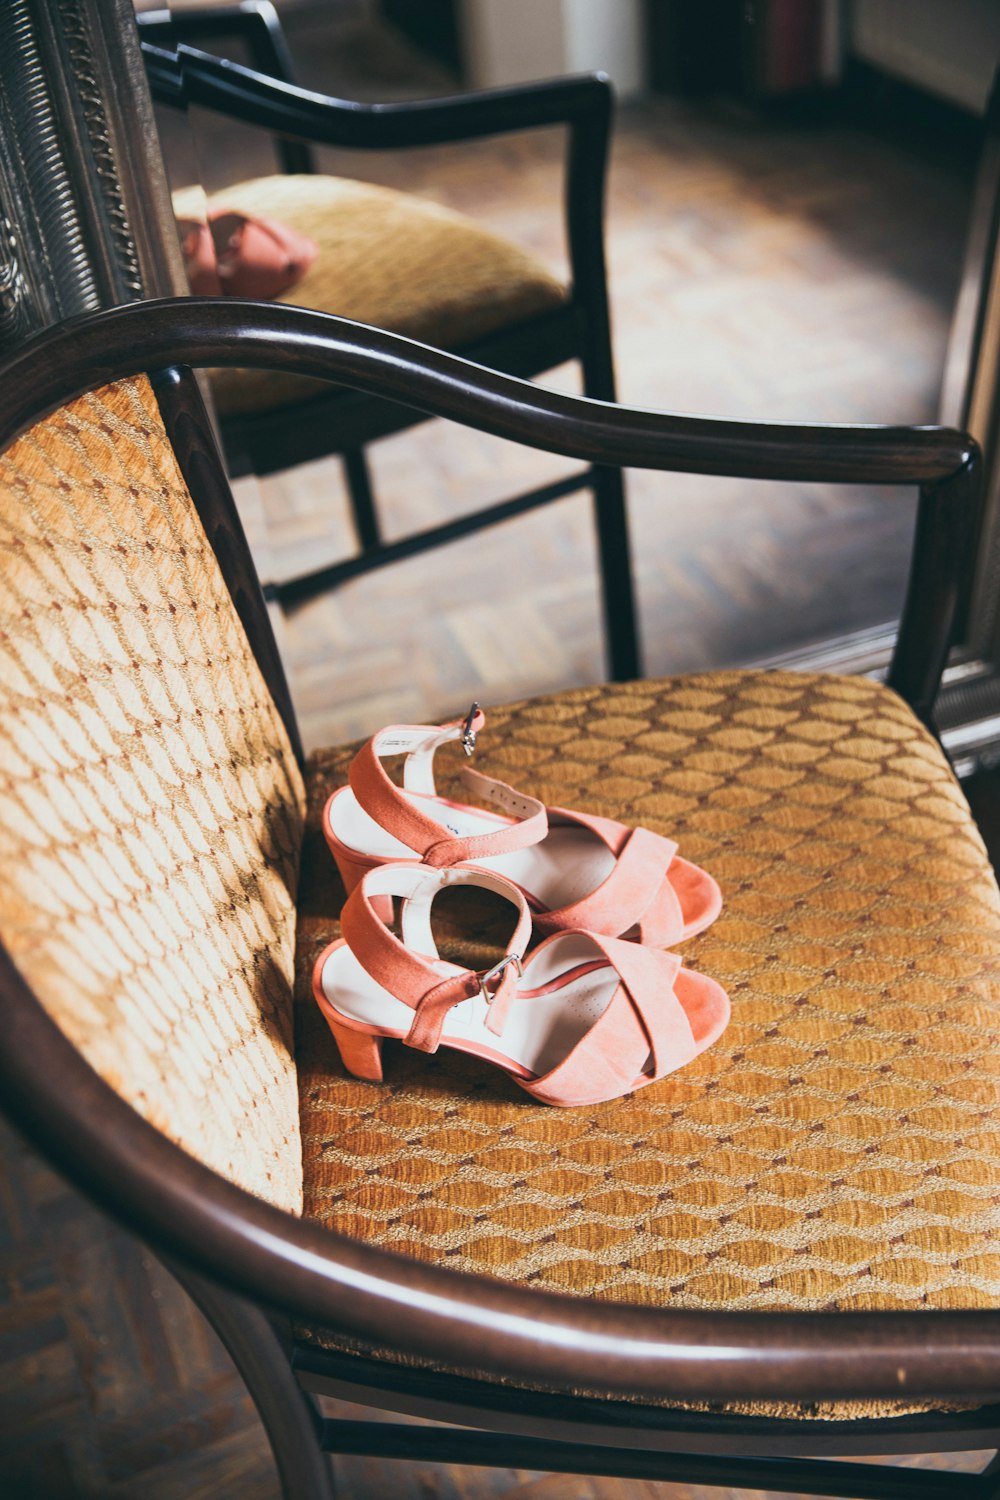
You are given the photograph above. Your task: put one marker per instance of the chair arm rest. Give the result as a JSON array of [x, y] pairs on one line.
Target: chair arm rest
[[216, 83], [255, 23], [75, 356], [164, 76], [298, 116]]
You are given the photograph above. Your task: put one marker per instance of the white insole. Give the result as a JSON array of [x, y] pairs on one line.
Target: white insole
[[567, 865], [540, 1030]]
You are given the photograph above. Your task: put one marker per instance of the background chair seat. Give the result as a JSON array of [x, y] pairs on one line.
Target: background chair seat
[[838, 1148], [386, 258]]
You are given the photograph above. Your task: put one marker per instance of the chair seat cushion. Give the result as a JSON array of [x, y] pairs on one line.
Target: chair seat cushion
[[388, 258], [838, 1148]]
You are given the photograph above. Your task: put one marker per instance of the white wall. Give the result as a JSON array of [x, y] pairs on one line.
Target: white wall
[[950, 47], [512, 41]]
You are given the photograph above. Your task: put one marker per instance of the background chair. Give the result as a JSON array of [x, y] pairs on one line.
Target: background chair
[[398, 262], [798, 1230]]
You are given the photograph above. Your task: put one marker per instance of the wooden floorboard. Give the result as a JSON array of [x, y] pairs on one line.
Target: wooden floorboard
[[756, 269]]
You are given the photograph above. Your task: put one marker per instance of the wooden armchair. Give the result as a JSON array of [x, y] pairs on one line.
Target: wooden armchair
[[395, 261], [787, 1249]]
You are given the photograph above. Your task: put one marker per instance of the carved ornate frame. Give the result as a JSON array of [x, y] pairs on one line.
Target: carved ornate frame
[[84, 211]]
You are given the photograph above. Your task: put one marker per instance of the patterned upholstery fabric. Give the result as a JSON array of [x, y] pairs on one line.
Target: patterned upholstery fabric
[[386, 258], [839, 1148], [150, 806]]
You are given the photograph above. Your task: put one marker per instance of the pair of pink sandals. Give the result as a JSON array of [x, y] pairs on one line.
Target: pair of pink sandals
[[597, 1010]]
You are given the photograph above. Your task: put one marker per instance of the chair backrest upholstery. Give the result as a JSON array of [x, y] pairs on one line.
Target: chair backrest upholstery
[[150, 806]]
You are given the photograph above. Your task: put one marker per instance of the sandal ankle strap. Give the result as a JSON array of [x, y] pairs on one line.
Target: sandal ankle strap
[[406, 967], [388, 805]]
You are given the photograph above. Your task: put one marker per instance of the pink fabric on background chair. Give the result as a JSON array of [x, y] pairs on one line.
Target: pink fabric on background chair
[[236, 256]]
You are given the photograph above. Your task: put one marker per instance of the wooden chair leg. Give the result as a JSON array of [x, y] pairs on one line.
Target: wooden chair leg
[[623, 649], [359, 488], [621, 632], [289, 1414]]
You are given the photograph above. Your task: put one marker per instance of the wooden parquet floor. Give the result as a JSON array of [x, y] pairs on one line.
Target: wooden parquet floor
[[756, 269]]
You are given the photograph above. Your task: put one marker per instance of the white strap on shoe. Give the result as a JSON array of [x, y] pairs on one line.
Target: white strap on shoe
[[406, 966], [383, 801]]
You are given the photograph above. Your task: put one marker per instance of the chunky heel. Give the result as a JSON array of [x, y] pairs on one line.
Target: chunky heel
[[360, 1053], [351, 872]]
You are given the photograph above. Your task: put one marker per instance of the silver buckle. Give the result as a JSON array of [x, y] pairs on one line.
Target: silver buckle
[[468, 733], [497, 970]]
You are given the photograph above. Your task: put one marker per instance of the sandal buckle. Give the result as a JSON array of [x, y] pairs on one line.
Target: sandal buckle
[[496, 973], [468, 733]]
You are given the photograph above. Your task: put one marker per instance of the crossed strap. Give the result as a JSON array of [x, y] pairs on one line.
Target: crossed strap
[[637, 889], [383, 801], [644, 1018], [410, 968]]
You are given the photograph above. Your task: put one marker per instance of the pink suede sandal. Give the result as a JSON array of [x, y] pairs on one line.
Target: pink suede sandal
[[259, 257], [585, 1019], [576, 871], [231, 255]]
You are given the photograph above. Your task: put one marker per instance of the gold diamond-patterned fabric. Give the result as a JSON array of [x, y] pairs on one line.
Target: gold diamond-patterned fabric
[[387, 258], [150, 805], [838, 1148]]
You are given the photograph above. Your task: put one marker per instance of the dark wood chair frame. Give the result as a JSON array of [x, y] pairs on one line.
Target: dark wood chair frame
[[255, 1270], [345, 421]]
